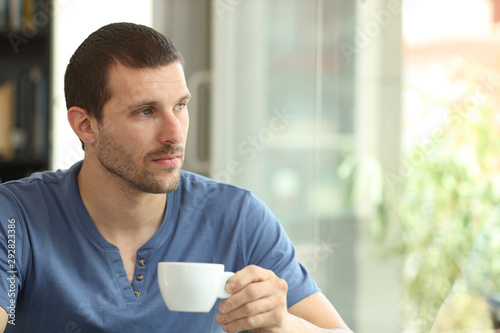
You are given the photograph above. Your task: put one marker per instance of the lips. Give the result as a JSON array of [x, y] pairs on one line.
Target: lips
[[167, 157], [168, 161]]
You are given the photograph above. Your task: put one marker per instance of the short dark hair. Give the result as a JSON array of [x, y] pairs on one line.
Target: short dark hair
[[132, 45]]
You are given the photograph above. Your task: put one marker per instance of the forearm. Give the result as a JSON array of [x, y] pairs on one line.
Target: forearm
[[299, 325]]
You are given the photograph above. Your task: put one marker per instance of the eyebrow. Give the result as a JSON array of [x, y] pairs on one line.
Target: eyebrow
[[156, 102]]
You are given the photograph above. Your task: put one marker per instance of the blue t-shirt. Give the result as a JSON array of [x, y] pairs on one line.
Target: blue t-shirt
[[58, 274]]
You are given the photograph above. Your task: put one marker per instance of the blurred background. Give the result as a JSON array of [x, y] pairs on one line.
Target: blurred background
[[368, 127]]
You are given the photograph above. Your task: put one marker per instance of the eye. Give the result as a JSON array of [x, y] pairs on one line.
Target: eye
[[180, 106], [145, 112]]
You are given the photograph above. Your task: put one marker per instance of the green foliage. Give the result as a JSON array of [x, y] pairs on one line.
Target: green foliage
[[445, 190]]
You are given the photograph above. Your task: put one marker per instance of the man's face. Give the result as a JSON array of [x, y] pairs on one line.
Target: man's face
[[142, 135]]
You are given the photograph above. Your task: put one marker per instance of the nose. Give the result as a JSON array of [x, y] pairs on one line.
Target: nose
[[171, 129]]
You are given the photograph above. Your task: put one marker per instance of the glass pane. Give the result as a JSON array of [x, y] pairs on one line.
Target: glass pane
[[291, 126]]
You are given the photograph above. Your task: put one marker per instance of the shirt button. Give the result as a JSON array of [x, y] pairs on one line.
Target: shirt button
[[140, 277], [142, 262], [137, 293]]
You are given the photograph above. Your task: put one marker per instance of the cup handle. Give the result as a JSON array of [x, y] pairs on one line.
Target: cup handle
[[222, 292]]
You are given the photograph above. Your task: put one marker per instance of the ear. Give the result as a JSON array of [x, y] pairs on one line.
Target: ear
[[82, 124]]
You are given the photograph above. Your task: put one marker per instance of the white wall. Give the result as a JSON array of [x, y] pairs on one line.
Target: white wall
[[73, 21]]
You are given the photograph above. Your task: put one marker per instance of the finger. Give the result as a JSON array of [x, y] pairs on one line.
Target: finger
[[252, 308], [246, 276], [270, 288], [268, 320]]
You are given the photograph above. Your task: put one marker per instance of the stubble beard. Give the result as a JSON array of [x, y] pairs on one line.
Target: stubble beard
[[121, 163]]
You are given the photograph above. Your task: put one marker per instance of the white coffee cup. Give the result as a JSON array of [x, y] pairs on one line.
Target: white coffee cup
[[192, 287]]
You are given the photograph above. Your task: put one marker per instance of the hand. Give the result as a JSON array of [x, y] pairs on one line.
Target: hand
[[258, 302]]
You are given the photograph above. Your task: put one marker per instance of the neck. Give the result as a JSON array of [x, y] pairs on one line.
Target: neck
[[121, 214]]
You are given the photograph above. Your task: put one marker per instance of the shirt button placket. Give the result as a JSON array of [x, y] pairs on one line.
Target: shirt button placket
[[140, 277]]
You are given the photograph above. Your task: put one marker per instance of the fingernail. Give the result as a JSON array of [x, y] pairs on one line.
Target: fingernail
[[230, 286], [220, 318]]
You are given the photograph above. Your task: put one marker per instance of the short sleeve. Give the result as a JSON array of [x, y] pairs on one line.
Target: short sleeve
[[11, 251], [266, 244]]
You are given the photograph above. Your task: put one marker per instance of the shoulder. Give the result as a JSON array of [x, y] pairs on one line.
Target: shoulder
[[200, 186], [188, 178], [39, 183], [213, 197]]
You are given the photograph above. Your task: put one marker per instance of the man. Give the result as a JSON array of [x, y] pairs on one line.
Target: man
[[88, 240]]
